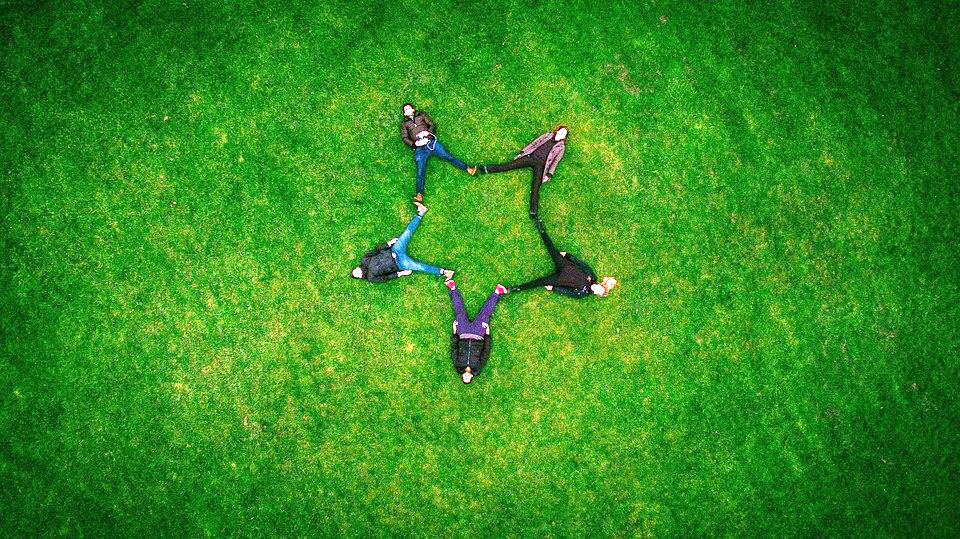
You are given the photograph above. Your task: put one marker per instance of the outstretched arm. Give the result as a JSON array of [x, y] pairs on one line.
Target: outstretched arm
[[571, 292]]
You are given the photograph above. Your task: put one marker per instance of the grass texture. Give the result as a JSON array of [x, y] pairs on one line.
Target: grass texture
[[184, 187]]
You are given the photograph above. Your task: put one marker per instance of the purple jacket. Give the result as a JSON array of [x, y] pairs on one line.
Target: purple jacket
[[553, 158]]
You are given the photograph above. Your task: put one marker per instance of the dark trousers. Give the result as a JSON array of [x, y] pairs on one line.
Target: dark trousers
[[555, 256], [536, 167]]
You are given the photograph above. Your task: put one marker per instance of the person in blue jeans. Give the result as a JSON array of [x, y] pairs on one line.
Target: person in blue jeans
[[419, 133], [390, 260]]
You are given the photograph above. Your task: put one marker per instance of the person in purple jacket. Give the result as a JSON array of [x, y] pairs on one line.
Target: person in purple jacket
[[541, 156], [470, 346]]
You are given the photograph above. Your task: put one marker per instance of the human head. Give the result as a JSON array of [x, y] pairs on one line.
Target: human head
[[467, 375], [603, 287], [560, 133], [408, 109], [357, 273]]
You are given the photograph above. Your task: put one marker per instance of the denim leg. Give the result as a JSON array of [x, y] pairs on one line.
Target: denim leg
[[421, 156], [442, 153], [400, 247], [406, 262]]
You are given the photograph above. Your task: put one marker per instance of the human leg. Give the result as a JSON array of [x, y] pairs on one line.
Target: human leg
[[400, 247], [406, 262], [488, 307], [421, 156], [459, 311], [555, 255], [522, 162], [441, 151], [537, 175]]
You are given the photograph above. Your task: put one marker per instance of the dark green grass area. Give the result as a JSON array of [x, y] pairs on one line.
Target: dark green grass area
[[184, 189]]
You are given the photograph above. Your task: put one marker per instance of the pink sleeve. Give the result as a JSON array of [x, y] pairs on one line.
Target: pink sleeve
[[535, 144], [554, 158]]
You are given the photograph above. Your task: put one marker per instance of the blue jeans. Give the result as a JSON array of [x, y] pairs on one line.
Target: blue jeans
[[424, 152], [404, 262]]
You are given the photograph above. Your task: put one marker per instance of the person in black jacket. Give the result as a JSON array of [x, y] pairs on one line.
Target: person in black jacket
[[419, 133], [470, 344], [390, 260], [573, 277]]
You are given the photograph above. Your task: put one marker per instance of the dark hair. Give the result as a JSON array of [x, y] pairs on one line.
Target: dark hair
[[405, 105], [559, 127]]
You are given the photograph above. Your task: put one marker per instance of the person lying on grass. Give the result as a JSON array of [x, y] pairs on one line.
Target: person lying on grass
[[470, 346], [419, 133], [390, 260], [573, 277], [541, 156]]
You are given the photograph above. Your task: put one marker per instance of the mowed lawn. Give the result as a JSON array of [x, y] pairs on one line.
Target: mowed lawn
[[185, 186]]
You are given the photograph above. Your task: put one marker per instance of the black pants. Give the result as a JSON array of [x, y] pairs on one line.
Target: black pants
[[536, 166], [555, 256], [558, 260]]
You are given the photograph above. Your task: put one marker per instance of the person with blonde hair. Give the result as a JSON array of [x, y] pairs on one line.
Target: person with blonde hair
[[572, 277]]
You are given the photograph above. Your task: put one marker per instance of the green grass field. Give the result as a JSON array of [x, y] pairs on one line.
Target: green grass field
[[185, 186]]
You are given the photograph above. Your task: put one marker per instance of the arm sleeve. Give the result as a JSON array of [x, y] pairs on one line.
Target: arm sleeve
[[454, 342], [554, 158], [569, 292], [383, 278], [405, 133], [484, 354], [534, 145], [542, 281], [430, 124]]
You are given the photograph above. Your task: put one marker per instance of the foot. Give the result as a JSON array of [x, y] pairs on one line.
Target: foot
[[448, 275], [472, 171], [450, 284], [421, 209], [418, 198], [501, 290]]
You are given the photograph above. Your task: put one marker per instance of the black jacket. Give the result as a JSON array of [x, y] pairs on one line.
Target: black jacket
[[379, 265], [572, 279], [421, 121], [575, 278], [469, 353]]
